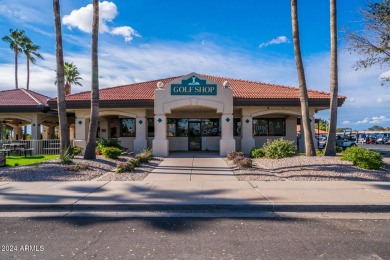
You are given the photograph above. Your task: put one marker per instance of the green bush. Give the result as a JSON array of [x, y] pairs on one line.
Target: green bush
[[103, 143], [363, 158], [77, 150], [244, 163], [231, 155], [339, 149], [145, 156], [257, 153], [124, 167], [279, 148], [66, 155], [134, 162], [111, 152]]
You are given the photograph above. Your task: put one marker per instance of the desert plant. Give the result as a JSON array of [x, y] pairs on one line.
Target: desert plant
[[244, 163], [111, 152], [77, 150], [124, 167], [363, 158], [145, 155], [78, 167], [257, 153], [135, 162], [279, 148], [233, 154], [238, 158], [66, 155]]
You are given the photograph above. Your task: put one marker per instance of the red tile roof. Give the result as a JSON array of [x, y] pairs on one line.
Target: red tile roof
[[242, 89], [22, 97]]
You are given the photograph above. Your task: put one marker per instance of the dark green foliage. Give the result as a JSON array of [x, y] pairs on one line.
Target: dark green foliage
[[111, 152], [102, 143], [77, 150], [279, 148], [234, 154], [363, 158], [257, 153], [66, 155], [129, 166], [135, 162]]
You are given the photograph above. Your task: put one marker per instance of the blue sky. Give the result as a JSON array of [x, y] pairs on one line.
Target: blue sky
[[149, 39]]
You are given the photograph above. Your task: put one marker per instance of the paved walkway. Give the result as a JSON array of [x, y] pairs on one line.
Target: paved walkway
[[192, 166], [193, 181]]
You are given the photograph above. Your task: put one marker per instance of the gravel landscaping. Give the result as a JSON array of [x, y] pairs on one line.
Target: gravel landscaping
[[302, 168], [101, 169]]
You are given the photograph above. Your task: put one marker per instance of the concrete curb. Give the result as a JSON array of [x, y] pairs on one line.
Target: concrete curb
[[198, 208]]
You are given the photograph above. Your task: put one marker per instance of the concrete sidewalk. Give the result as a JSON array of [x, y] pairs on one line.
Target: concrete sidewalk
[[196, 182], [197, 195]]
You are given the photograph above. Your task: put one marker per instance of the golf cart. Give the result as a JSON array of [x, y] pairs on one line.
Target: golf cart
[[346, 139]]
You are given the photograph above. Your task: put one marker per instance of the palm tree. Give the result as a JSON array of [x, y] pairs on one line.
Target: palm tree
[[330, 149], [303, 96], [15, 39], [72, 76], [31, 51], [63, 120], [90, 152]]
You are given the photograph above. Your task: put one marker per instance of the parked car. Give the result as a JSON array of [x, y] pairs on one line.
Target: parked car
[[322, 141]]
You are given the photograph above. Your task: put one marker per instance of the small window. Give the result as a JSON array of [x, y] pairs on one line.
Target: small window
[[171, 127], [150, 127], [237, 127], [182, 127], [269, 127], [128, 127], [210, 127]]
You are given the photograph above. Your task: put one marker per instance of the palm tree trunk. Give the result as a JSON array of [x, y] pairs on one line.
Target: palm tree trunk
[[330, 149], [67, 89], [28, 73], [63, 120], [303, 96], [16, 67], [90, 152]]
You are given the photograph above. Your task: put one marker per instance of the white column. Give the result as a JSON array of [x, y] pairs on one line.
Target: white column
[[35, 131], [81, 130], [160, 141], [140, 141], [247, 140], [227, 142], [103, 123]]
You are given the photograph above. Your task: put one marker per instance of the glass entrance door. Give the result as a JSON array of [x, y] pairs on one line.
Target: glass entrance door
[[194, 136]]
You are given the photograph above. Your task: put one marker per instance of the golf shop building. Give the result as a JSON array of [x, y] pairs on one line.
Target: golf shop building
[[194, 112]]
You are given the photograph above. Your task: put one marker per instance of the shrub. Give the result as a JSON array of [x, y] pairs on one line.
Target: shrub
[[320, 152], [134, 162], [339, 149], [363, 158], [234, 154], [145, 156], [16, 164], [257, 153], [103, 143], [244, 163], [238, 158], [77, 168], [66, 155], [111, 152], [124, 167], [77, 150], [279, 148]]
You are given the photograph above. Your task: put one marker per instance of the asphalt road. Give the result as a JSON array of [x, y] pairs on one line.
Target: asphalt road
[[194, 238]]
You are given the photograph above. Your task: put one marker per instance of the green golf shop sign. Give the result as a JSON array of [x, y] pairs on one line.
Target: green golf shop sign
[[194, 86]]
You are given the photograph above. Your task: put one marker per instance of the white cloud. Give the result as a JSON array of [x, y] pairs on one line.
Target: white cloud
[[346, 122], [277, 40], [383, 99], [82, 19], [126, 31]]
